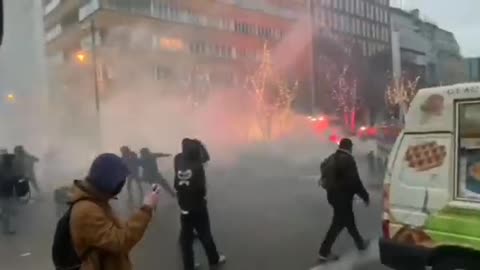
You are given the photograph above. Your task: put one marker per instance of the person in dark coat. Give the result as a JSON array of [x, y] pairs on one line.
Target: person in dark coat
[[132, 162], [24, 164], [340, 196], [190, 183], [8, 179], [150, 172]]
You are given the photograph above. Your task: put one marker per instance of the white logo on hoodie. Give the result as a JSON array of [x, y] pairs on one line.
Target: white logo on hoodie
[[184, 177]]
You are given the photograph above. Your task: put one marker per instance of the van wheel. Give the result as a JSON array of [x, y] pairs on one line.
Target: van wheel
[[455, 263]]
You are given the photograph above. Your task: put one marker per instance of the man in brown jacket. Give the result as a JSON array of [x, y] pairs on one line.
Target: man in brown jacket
[[99, 237]]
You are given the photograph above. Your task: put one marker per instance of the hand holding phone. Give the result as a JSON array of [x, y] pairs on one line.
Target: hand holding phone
[[152, 198]]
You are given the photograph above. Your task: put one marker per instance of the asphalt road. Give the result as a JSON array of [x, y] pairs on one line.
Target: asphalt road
[[266, 214]]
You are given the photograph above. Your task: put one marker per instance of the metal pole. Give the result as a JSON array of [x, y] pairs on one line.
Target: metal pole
[[313, 56], [94, 62], [95, 78]]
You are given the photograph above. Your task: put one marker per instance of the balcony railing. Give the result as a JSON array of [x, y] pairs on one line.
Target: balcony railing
[[87, 9], [53, 32], [51, 6]]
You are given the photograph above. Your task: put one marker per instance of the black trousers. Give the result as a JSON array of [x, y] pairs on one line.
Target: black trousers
[[198, 221], [131, 179], [343, 217]]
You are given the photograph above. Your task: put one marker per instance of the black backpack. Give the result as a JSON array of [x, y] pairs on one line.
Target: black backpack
[[328, 172], [22, 188], [64, 255]]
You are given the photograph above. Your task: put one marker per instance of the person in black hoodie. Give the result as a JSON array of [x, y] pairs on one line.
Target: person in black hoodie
[[340, 196], [190, 183]]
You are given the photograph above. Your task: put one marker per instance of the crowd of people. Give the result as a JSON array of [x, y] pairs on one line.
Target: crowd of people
[[98, 240], [89, 236], [17, 174]]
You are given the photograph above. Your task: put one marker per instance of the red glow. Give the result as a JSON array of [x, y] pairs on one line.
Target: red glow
[[372, 131], [367, 132], [335, 139], [321, 125]]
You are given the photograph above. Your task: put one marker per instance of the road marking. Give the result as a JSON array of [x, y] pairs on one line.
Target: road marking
[[25, 254]]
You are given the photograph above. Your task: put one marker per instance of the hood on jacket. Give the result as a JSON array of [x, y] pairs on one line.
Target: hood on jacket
[[108, 174], [83, 190], [190, 149]]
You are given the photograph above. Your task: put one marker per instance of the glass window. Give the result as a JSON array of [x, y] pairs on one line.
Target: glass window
[[468, 138]]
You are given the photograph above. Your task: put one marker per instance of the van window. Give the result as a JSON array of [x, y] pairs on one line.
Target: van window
[[468, 161]]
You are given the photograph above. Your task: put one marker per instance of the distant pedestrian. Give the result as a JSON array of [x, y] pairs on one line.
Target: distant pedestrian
[[190, 183], [342, 182], [150, 172], [132, 161], [8, 179], [24, 164]]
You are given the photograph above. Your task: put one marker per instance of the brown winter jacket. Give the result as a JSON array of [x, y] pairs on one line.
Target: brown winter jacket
[[102, 240]]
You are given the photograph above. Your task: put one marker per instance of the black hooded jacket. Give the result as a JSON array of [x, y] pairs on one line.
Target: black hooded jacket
[[347, 178], [190, 180]]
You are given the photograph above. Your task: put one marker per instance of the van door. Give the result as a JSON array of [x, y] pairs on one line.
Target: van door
[[420, 179]]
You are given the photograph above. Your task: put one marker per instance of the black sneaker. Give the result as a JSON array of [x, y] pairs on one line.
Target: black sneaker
[[329, 258], [364, 246], [222, 259]]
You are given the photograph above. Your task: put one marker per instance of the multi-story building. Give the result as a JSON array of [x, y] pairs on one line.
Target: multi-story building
[[156, 45], [414, 46], [362, 22], [473, 69], [358, 30], [427, 50], [22, 83]]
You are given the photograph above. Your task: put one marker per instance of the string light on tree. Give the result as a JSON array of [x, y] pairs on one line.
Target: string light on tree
[[272, 99], [400, 94], [344, 93]]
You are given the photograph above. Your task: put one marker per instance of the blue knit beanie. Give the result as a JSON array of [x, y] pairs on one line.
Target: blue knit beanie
[[108, 174]]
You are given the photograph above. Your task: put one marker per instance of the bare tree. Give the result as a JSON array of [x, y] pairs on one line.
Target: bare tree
[[272, 98]]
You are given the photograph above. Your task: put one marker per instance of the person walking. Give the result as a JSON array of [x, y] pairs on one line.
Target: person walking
[[190, 183], [132, 162], [8, 179], [25, 165], [99, 238], [342, 182], [150, 172]]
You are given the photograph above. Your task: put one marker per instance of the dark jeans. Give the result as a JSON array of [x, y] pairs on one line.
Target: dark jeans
[[343, 217], [198, 221], [136, 180], [33, 182]]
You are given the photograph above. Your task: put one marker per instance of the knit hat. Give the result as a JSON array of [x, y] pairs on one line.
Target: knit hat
[[108, 174]]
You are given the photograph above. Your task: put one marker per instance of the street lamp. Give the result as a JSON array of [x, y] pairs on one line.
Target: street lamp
[[81, 57], [11, 98]]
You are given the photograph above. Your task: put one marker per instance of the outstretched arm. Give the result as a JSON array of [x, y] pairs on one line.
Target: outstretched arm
[[161, 155]]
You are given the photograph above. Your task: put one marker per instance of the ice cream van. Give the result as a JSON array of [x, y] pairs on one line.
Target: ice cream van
[[431, 216]]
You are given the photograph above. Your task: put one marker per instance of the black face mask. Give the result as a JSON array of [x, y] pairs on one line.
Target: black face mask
[[118, 188]]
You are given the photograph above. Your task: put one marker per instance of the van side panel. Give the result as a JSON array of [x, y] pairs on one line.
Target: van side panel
[[420, 185]]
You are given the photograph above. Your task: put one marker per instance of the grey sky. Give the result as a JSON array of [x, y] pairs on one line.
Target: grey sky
[[460, 17]]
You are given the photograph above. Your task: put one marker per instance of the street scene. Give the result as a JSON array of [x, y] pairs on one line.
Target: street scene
[[253, 134], [273, 217]]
